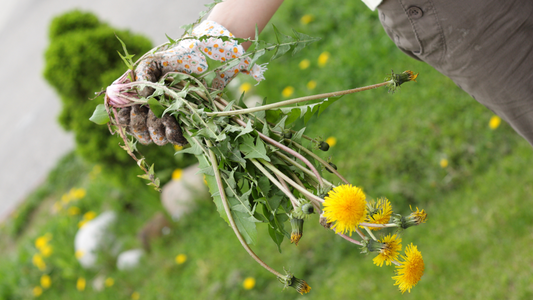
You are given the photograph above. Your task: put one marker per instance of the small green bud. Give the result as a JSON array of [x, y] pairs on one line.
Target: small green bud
[[287, 134], [323, 146], [297, 229], [333, 166]]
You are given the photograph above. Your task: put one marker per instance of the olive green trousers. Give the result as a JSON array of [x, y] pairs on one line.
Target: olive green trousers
[[484, 46]]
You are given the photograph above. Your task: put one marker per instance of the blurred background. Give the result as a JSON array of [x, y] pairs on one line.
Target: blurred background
[[429, 145]]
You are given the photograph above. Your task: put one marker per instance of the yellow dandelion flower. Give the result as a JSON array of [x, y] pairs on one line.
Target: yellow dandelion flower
[[323, 59], [389, 252], [346, 206], [304, 64], [245, 87], [78, 193], [306, 19], [248, 283], [82, 223], [46, 281], [37, 291], [494, 122], [57, 206], [181, 258], [42, 241], [287, 92], [73, 210], [176, 175], [79, 254], [299, 285], [109, 282], [65, 199], [38, 261], [417, 217], [311, 84], [178, 147], [379, 212], [332, 141], [410, 270], [80, 284], [135, 296], [443, 163], [89, 215], [46, 251]]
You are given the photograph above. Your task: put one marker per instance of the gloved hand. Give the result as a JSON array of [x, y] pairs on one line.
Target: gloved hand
[[188, 56]]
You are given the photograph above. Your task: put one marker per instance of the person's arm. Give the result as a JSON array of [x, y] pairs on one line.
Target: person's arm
[[241, 16]]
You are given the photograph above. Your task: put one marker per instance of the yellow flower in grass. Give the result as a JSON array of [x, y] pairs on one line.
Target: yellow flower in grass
[[42, 241], [248, 283], [178, 147], [80, 284], [287, 92], [176, 174], [78, 193], [391, 246], [494, 122], [46, 281], [89, 215], [135, 296], [73, 210], [443, 163], [38, 261], [37, 291], [306, 19], [410, 270], [46, 251], [311, 84], [346, 206], [245, 87], [181, 258], [323, 59], [304, 64], [332, 141], [379, 212], [109, 282], [79, 254]]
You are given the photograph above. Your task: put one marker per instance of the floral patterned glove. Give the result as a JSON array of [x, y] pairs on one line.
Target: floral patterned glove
[[188, 56]]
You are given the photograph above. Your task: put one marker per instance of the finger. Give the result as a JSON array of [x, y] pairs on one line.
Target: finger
[[173, 131], [148, 70], [138, 127], [156, 129]]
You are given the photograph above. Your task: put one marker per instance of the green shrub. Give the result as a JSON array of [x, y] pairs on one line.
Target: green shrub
[[82, 59]]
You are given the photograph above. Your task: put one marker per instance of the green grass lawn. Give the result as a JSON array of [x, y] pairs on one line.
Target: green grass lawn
[[475, 244]]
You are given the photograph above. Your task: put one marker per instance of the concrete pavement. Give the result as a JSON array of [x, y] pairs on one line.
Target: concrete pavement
[[31, 142]]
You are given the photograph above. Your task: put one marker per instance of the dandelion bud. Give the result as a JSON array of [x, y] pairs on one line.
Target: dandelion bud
[[308, 209], [298, 284], [297, 226], [415, 218], [332, 165], [303, 210], [287, 134], [399, 79], [323, 146], [369, 245]]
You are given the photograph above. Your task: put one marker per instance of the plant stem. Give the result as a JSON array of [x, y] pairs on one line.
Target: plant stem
[[370, 233], [349, 239], [284, 189], [379, 225], [306, 171], [323, 162], [296, 100], [286, 149], [214, 163], [292, 183]]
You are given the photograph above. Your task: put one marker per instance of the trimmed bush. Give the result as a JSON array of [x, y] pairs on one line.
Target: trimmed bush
[[82, 59]]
